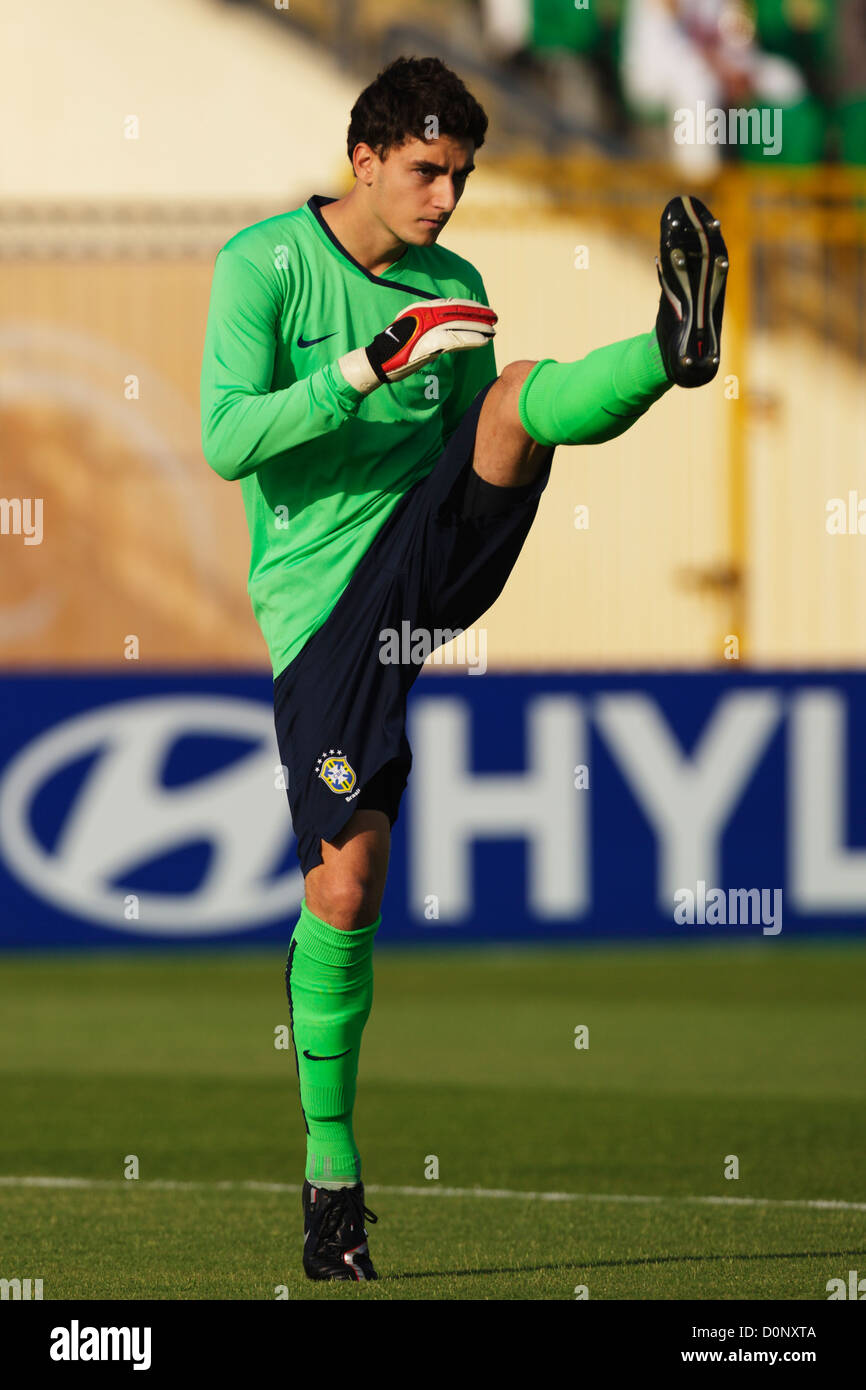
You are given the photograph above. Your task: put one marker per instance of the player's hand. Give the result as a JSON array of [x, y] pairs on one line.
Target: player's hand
[[418, 335]]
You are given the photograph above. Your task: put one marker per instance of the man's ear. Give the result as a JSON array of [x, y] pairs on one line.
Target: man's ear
[[363, 162]]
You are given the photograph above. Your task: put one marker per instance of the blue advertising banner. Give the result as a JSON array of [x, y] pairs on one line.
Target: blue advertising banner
[[151, 809]]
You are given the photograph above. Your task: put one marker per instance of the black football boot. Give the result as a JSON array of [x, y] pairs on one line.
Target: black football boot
[[335, 1241], [693, 271]]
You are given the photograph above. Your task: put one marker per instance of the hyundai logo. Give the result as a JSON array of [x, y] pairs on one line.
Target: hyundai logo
[[122, 813]]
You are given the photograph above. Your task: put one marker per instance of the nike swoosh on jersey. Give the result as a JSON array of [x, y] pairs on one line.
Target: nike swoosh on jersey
[[311, 342], [313, 1058]]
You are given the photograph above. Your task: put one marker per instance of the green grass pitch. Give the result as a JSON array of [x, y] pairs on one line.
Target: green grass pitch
[[694, 1054]]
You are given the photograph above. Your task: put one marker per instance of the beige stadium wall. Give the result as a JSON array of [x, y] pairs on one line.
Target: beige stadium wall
[[99, 363], [169, 99], [140, 539], [807, 448]]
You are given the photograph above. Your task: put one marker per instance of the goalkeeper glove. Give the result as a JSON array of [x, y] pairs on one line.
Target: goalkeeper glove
[[417, 336]]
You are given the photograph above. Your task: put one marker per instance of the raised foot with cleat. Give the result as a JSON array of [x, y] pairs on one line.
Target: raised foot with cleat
[[693, 270]]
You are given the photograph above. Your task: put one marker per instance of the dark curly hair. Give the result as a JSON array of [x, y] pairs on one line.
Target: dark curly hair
[[396, 107]]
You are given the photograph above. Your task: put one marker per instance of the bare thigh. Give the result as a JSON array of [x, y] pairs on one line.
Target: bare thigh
[[504, 453]]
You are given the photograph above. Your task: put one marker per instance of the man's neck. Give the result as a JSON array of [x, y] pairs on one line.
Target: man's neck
[[371, 244]]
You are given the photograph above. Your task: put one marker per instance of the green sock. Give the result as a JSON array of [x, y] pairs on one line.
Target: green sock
[[329, 983], [595, 399]]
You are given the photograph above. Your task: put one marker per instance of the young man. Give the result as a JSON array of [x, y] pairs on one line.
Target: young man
[[384, 483]]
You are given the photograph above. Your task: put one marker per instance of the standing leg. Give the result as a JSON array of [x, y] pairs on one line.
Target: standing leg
[[329, 983]]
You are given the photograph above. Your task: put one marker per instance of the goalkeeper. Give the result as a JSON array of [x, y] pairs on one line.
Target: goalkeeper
[[390, 475]]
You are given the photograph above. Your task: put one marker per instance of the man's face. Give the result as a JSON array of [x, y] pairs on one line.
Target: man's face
[[417, 186]]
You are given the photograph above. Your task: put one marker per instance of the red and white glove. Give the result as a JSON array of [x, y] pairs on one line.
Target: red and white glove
[[418, 335]]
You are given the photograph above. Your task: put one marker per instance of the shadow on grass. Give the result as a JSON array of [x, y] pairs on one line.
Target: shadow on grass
[[622, 1264]]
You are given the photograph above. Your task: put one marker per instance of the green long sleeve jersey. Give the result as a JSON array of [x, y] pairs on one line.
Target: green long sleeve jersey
[[321, 467]]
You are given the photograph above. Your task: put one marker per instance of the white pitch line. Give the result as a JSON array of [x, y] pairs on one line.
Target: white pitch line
[[500, 1194]]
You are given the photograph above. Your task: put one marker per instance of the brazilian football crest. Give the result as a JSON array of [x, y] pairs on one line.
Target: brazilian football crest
[[336, 771]]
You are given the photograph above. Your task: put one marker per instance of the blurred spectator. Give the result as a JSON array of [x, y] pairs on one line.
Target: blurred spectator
[[580, 50], [851, 87], [827, 41], [506, 25], [617, 63], [802, 30], [677, 53]]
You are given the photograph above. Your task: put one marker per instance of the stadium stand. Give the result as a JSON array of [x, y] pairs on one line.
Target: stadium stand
[[99, 251]]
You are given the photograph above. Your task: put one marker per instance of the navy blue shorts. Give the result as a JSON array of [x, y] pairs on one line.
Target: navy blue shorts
[[439, 561]]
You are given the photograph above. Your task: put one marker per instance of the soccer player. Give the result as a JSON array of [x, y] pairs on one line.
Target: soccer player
[[389, 474]]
